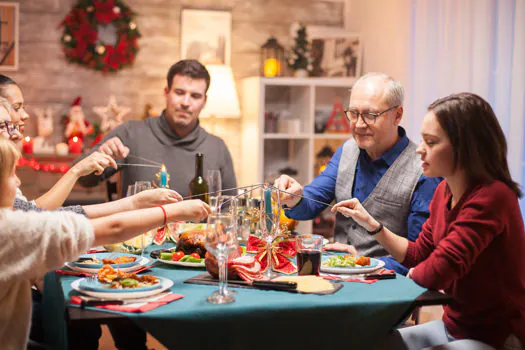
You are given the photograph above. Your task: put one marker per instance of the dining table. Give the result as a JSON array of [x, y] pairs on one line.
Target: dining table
[[357, 316]]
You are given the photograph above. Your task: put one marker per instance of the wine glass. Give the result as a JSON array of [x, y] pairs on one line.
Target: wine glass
[[213, 177], [220, 241], [146, 238], [227, 205]]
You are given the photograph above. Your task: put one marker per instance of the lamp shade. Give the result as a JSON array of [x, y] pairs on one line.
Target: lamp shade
[[222, 99]]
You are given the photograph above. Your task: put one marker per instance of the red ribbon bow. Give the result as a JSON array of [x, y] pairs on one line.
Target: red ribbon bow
[[283, 249]]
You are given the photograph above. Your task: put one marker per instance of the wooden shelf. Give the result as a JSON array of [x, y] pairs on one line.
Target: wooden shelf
[[307, 101]]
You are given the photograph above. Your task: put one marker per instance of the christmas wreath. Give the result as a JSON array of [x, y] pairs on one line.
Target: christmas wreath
[[82, 43]]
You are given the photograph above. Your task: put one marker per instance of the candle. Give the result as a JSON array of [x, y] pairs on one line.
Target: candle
[[62, 149], [27, 145], [75, 145], [271, 67], [163, 176], [268, 209]]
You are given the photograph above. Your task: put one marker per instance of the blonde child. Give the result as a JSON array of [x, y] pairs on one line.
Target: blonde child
[[36, 242]]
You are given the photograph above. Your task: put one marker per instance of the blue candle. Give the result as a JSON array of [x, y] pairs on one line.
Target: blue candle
[[163, 176], [268, 208]]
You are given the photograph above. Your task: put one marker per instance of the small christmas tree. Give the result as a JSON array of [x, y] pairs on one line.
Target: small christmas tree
[[299, 57]]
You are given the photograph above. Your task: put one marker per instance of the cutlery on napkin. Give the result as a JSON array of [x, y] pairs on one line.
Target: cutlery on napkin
[[92, 301]]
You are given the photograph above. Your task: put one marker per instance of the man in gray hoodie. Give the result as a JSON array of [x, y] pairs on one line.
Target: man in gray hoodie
[[172, 139]]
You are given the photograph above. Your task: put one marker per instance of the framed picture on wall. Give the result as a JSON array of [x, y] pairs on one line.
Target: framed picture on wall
[[206, 36], [335, 52], [9, 43]]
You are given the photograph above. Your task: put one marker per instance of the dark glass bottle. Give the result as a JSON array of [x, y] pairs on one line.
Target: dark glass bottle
[[199, 185]]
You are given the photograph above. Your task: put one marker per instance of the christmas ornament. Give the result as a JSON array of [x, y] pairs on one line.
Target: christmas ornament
[[299, 58], [100, 34], [111, 115], [76, 123], [43, 143]]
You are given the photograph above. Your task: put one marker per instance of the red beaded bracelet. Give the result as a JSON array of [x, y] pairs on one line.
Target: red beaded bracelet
[[165, 214]]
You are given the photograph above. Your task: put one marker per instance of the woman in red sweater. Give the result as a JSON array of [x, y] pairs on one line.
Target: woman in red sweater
[[473, 244]]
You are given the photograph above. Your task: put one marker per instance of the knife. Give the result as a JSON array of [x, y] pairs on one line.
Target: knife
[[275, 285]]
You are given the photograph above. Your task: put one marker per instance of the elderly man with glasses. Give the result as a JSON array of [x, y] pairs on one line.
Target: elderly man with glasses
[[379, 166]]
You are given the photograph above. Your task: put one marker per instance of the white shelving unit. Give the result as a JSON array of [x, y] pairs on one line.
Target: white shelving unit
[[269, 147]]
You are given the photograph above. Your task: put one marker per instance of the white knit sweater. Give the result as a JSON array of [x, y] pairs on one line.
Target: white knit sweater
[[32, 243]]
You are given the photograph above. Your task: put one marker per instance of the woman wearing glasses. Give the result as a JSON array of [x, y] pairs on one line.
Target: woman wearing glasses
[[473, 244]]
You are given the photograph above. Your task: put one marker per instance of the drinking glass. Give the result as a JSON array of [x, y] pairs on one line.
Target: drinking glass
[[214, 182], [146, 239], [220, 241], [227, 205], [308, 254]]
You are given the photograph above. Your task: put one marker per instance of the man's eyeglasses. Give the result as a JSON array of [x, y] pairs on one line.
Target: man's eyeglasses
[[368, 118], [11, 128]]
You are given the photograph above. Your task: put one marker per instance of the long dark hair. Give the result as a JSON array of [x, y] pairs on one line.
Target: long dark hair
[[477, 138]]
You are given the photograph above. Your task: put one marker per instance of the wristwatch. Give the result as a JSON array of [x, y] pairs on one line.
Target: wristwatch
[[377, 230]]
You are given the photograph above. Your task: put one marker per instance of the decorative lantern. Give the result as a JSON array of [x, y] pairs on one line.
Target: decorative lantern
[[272, 58], [322, 158]]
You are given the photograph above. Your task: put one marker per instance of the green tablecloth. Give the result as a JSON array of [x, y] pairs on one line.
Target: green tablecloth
[[357, 316]]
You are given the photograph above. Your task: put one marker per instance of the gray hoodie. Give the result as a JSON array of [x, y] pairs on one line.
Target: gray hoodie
[[153, 139]]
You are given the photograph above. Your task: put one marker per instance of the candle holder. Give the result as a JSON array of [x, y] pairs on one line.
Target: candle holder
[[163, 178]]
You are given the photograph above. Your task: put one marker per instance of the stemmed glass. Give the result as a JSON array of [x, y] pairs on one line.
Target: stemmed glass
[[213, 177], [269, 224], [221, 241], [145, 238]]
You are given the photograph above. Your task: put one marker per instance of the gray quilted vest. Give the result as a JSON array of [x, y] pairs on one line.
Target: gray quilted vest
[[388, 203]]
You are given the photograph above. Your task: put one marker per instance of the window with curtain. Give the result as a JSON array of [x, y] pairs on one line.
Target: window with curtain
[[476, 46]]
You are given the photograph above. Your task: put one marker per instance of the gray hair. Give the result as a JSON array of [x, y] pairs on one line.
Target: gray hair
[[394, 91]]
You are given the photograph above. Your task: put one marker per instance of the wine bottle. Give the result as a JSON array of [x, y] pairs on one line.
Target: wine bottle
[[199, 185]]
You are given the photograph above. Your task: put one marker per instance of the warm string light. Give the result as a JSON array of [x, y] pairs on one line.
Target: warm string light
[[48, 167]]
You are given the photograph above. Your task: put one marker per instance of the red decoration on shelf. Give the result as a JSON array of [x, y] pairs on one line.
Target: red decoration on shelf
[[27, 145], [337, 121], [50, 167], [82, 43]]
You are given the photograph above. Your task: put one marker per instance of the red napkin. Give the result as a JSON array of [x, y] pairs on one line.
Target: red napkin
[[333, 277], [135, 307], [74, 273]]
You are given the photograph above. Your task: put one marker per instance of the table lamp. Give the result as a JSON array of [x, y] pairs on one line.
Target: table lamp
[[222, 99]]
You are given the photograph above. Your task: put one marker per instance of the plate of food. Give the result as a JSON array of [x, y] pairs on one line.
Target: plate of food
[[87, 268], [345, 264], [97, 260], [178, 258], [124, 293]]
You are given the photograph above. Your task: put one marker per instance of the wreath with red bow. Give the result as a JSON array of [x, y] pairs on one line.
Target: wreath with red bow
[[81, 41]]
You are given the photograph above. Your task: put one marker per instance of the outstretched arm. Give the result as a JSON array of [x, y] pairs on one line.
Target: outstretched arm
[[55, 197], [123, 226], [396, 245], [142, 200]]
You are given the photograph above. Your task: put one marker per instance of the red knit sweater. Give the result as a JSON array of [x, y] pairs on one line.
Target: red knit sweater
[[476, 253]]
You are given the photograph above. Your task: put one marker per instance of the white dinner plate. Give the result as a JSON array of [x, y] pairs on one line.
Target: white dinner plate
[[374, 265], [182, 263], [142, 261], [164, 284]]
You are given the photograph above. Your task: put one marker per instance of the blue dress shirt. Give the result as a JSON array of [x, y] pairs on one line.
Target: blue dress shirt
[[367, 175]]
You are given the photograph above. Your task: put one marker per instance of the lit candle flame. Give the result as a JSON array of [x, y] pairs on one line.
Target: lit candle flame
[[28, 139], [163, 168], [75, 139]]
